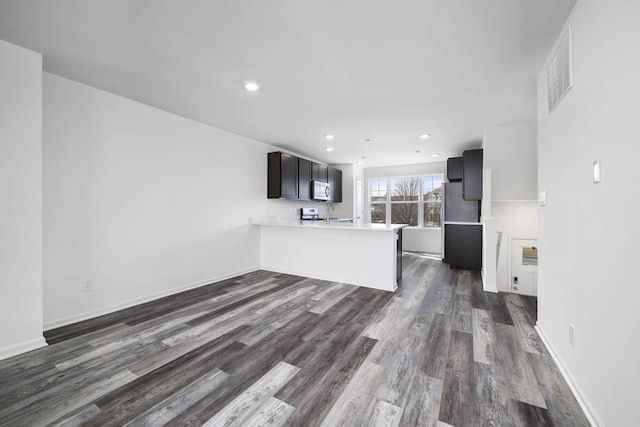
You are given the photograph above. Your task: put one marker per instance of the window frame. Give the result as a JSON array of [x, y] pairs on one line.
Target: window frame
[[421, 202]]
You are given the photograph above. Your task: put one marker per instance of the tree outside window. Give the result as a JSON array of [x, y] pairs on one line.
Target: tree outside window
[[413, 200]]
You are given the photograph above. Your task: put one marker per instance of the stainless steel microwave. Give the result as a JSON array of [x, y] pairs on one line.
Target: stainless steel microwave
[[321, 190]]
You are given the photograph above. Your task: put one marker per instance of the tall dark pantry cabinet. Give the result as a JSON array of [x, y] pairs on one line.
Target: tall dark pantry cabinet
[[462, 203]]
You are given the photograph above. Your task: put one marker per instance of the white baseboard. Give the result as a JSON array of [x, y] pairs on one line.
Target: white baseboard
[[110, 309], [485, 287], [23, 347], [583, 401]]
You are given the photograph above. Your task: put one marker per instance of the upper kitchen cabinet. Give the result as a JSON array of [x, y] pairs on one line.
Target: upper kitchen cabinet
[[454, 169], [304, 179], [282, 176], [335, 185], [320, 172], [472, 174]]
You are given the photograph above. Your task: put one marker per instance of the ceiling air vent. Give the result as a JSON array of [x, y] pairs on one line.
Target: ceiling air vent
[[559, 71]]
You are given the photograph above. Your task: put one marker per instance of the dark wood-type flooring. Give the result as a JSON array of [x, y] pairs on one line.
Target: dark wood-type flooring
[[275, 349]]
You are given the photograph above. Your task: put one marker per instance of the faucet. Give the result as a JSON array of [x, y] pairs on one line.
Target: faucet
[[330, 206]]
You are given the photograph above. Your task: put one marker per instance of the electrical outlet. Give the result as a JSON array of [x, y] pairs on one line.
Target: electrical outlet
[[237, 255], [87, 285], [572, 334]]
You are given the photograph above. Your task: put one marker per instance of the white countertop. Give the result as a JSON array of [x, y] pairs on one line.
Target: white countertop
[[333, 226]]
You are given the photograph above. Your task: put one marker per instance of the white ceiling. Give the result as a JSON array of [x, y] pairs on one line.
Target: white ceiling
[[378, 69]]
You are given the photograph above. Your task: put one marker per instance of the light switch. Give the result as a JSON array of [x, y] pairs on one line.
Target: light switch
[[596, 171], [543, 198]]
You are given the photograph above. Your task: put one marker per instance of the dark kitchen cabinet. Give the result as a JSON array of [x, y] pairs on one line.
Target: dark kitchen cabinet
[[456, 208], [335, 185], [304, 179], [463, 246], [472, 174], [454, 169], [282, 176], [399, 255], [320, 172]]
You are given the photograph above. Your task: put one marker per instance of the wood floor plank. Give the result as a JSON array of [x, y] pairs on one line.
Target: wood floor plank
[[423, 405], [458, 404], [170, 407], [499, 311], [332, 298], [528, 336], [462, 313], [353, 404], [386, 318], [143, 393], [562, 405], [385, 415], [483, 337], [272, 413], [521, 382], [492, 396], [436, 348], [80, 417], [262, 327], [313, 403], [57, 406], [402, 368], [241, 408]]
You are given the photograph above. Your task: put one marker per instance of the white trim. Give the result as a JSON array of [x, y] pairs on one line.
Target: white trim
[[515, 201], [23, 347], [95, 313], [583, 401], [535, 288]]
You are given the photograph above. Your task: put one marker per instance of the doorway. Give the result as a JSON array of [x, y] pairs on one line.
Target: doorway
[[524, 266]]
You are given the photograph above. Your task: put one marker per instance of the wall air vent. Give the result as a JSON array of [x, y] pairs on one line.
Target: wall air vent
[[559, 71]]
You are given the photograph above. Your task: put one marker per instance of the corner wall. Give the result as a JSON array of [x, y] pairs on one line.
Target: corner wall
[[142, 202], [510, 153], [20, 200], [588, 233]]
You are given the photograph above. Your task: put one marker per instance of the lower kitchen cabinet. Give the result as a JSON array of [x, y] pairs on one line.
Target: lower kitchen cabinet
[[399, 256], [463, 246]]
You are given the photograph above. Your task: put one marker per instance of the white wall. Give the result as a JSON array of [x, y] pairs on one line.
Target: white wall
[[516, 220], [345, 209], [142, 202], [413, 239], [20, 200], [510, 153], [588, 233]]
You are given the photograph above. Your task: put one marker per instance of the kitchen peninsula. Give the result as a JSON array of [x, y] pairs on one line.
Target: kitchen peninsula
[[367, 255]]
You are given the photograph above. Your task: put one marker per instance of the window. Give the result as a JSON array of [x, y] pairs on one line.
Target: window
[[432, 199], [378, 200], [412, 200]]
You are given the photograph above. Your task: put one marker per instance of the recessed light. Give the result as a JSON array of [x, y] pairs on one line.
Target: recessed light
[[359, 162], [252, 86], [368, 141], [329, 136], [425, 136], [417, 151], [436, 154], [329, 148]]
